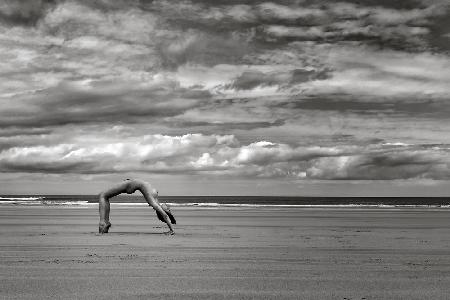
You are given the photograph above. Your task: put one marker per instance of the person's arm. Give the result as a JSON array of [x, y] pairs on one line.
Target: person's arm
[[146, 192], [104, 206]]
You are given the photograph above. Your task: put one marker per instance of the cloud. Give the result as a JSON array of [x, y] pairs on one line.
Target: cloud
[[301, 33], [386, 73], [252, 79], [202, 48], [158, 154], [386, 164], [224, 155], [151, 153], [188, 13], [100, 102], [275, 13], [71, 19], [263, 153], [398, 37], [23, 12], [302, 90], [397, 28]]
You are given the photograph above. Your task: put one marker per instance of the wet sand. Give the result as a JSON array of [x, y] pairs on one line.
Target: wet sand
[[56, 253]]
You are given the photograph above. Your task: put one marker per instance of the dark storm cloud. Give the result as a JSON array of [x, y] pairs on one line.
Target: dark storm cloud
[[68, 104], [26, 13], [80, 167], [386, 164], [251, 79], [20, 137], [223, 127], [12, 132], [345, 104], [394, 26]]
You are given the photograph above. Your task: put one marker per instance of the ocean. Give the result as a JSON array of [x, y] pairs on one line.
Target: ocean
[[230, 201]]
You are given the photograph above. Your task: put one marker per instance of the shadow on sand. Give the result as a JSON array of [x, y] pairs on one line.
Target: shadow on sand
[[129, 233]]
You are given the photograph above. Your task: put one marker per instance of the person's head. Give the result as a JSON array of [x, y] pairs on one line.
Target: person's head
[[131, 189]]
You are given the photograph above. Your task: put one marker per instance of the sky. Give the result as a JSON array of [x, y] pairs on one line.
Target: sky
[[294, 98]]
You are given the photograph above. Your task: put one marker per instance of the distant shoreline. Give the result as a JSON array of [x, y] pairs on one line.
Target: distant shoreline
[[233, 201]]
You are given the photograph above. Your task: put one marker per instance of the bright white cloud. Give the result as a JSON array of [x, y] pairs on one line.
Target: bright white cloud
[[215, 154]]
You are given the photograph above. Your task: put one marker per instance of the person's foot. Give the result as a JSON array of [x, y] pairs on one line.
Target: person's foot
[[169, 232], [103, 227]]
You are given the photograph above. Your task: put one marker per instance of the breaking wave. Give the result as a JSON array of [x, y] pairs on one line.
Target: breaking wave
[[41, 201], [230, 202]]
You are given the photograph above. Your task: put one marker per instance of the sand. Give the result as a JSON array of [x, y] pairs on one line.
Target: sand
[[56, 253]]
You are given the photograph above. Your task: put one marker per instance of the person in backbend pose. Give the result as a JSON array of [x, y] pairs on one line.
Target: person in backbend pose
[[129, 186]]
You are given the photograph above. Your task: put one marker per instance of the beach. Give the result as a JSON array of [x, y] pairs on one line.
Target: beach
[[55, 252]]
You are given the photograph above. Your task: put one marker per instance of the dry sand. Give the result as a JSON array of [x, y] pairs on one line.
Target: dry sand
[[55, 253]]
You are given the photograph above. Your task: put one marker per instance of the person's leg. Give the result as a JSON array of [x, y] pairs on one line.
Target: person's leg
[[162, 214], [103, 206], [168, 212]]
